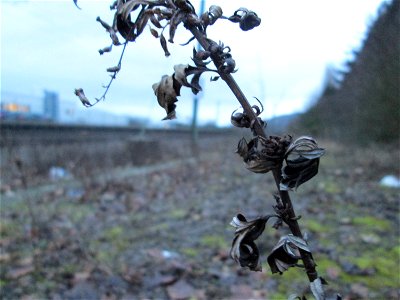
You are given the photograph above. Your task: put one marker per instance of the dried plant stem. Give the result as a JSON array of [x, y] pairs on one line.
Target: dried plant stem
[[259, 130], [34, 230]]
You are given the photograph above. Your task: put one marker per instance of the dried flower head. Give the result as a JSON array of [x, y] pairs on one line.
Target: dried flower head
[[244, 250], [286, 253], [81, 94], [247, 19], [262, 155], [302, 162], [169, 87], [166, 94]]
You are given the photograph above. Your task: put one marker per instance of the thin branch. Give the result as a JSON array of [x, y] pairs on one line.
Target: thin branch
[[113, 76]]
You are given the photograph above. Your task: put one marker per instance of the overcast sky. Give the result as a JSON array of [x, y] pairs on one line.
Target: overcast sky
[[54, 46]]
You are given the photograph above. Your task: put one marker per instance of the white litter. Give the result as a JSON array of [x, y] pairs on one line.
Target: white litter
[[390, 181]]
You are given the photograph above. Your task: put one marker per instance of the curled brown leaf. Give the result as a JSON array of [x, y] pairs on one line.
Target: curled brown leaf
[[244, 250], [81, 94], [247, 19], [166, 95], [286, 253], [262, 155], [110, 30], [154, 32], [163, 43], [302, 162]]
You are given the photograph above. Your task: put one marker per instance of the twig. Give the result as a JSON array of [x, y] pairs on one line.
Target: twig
[[34, 223]]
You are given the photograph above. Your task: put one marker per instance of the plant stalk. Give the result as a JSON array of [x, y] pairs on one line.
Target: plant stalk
[[306, 257]]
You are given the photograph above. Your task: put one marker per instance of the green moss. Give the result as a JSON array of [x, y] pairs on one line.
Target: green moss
[[315, 226], [190, 252], [324, 263], [3, 283], [331, 187], [213, 241], [372, 223], [177, 213], [371, 282], [384, 262], [290, 280], [396, 252], [113, 233], [9, 229], [69, 268], [103, 256], [116, 241], [278, 296], [159, 227], [76, 212]]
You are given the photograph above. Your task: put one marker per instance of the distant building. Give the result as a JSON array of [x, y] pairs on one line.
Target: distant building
[[18, 107], [51, 105], [14, 111]]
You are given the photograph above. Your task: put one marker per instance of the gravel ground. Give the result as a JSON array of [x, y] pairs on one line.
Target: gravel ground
[[162, 231]]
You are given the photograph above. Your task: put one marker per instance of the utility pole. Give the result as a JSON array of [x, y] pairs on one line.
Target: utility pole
[[196, 97]]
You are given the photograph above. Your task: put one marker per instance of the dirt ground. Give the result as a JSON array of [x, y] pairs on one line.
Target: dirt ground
[[162, 231]]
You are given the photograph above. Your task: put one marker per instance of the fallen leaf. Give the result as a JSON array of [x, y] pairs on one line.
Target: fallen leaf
[[20, 272], [180, 290]]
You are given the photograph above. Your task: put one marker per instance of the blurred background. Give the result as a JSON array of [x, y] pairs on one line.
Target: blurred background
[[92, 199]]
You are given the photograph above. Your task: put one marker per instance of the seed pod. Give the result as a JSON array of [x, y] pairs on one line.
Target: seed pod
[[215, 12], [105, 49], [228, 66], [249, 21], [114, 69], [236, 119]]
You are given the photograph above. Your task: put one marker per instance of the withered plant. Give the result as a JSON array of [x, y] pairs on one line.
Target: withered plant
[[291, 161]]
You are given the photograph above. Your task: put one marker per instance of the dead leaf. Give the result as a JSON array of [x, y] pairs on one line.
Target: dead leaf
[[166, 95], [317, 289], [244, 250], [81, 94], [20, 272], [176, 19], [154, 32], [262, 155], [110, 30], [286, 253], [163, 42], [180, 290], [302, 162]]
